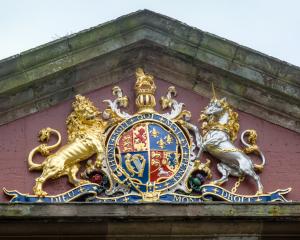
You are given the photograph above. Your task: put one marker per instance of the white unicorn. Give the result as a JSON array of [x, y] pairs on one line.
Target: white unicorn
[[220, 128]]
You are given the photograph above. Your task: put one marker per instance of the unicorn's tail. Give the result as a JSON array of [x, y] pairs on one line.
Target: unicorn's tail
[[251, 147]]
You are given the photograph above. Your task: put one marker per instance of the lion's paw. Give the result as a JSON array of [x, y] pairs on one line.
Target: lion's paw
[[82, 182], [41, 193]]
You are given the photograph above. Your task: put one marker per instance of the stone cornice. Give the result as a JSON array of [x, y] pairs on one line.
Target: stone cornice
[[290, 210], [155, 220], [258, 84]]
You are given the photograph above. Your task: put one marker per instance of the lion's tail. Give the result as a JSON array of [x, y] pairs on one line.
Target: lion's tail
[[43, 149], [32, 165], [251, 147]]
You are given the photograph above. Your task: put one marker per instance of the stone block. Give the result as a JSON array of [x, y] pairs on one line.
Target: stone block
[[44, 53], [10, 65], [219, 46], [257, 60]]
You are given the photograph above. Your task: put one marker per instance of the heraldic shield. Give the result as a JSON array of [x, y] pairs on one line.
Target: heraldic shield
[[149, 153], [147, 156]]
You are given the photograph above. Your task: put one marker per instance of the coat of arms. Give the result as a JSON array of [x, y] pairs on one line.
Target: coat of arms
[[147, 156]]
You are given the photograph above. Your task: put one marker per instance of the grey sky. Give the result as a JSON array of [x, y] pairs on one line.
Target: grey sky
[[269, 26]]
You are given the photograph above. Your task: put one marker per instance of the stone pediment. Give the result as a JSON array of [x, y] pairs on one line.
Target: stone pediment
[[47, 75]]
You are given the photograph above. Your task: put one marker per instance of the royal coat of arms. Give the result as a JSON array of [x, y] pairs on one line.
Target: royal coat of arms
[[147, 156]]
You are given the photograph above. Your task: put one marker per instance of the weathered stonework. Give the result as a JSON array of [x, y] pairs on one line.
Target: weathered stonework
[[255, 83], [153, 221]]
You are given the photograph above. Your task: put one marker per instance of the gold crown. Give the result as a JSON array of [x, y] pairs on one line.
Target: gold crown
[[145, 89]]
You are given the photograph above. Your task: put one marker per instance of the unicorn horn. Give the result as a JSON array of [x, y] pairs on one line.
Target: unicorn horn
[[213, 90]]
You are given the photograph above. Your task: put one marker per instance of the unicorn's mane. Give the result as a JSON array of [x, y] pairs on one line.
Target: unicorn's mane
[[211, 122]]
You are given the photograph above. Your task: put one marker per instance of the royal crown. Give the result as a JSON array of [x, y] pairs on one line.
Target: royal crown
[[145, 89]]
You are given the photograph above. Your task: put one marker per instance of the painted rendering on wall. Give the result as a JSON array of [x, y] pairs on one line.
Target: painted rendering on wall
[[148, 156]]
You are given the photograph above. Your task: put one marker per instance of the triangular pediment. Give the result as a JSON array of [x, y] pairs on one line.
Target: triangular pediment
[[170, 50]]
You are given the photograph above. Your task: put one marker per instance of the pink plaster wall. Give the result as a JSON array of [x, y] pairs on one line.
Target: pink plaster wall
[[280, 146]]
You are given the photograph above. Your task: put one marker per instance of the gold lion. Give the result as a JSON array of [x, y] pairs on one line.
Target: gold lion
[[85, 138]]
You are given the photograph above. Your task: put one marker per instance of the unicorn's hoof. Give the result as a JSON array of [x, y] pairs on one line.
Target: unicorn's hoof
[[259, 193], [216, 183]]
